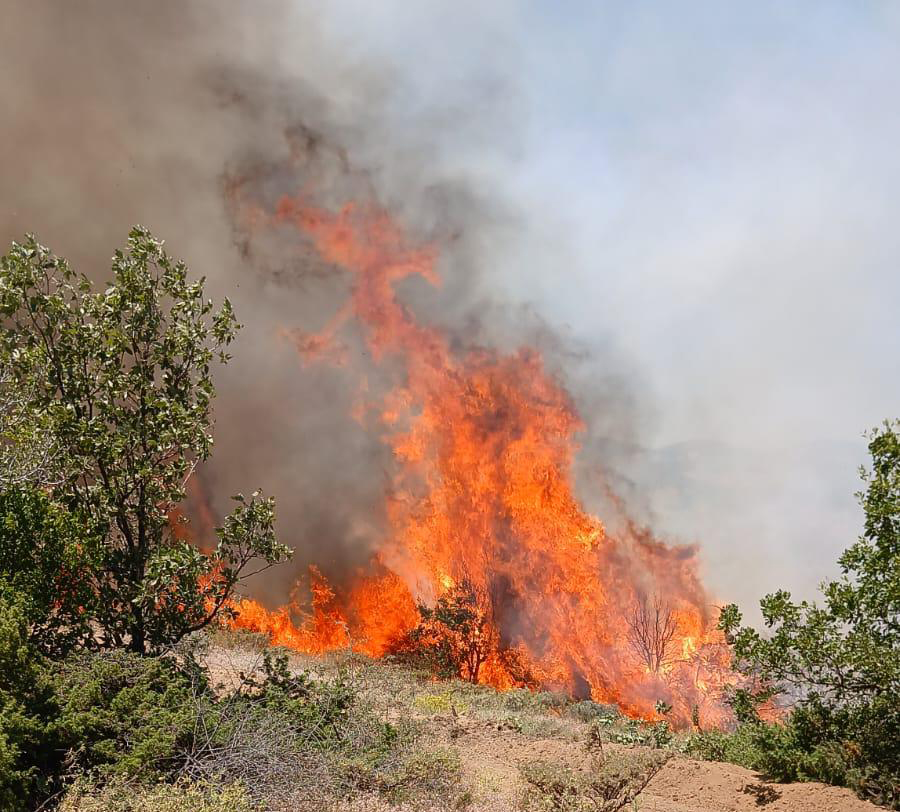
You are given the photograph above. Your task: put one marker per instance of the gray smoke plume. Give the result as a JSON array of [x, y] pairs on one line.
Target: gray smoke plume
[[123, 113], [694, 237]]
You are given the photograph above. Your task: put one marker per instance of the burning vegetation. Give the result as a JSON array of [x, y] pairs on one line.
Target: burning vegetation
[[489, 559]]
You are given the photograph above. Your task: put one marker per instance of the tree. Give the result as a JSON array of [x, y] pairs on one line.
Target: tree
[[840, 661], [848, 649], [454, 636], [47, 557], [651, 627], [120, 382], [27, 454]]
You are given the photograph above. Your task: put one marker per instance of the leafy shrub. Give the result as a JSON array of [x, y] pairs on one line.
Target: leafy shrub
[[524, 699], [293, 741], [588, 710], [842, 658], [118, 796], [46, 556], [622, 730], [123, 714], [29, 760], [740, 747], [853, 747], [610, 784]]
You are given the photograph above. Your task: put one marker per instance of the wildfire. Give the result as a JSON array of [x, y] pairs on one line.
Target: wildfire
[[481, 493]]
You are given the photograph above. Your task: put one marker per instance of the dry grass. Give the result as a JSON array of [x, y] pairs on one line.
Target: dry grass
[[182, 797], [378, 754], [608, 785], [402, 746]]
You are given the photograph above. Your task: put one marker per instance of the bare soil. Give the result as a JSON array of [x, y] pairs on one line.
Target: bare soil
[[490, 758], [495, 733]]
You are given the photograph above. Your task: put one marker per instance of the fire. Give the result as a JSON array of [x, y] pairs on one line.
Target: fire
[[482, 493]]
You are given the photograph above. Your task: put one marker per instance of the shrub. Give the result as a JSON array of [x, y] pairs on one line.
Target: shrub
[[623, 730], [46, 558], [524, 699], [126, 715], [842, 659], [853, 747], [425, 775], [740, 747], [29, 761], [609, 785], [587, 711], [118, 796]]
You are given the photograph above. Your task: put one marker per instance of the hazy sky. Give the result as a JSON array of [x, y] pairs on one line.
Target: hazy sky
[[704, 191], [716, 187]]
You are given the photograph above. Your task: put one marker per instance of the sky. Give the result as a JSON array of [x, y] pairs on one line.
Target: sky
[[700, 198], [716, 191]]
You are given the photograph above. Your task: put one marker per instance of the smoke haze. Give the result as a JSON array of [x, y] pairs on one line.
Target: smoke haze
[[691, 214]]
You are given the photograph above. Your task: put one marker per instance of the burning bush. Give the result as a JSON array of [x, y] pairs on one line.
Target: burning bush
[[480, 490], [456, 638]]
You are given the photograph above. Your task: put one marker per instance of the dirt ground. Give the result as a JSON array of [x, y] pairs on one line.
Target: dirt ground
[[495, 734], [490, 758]]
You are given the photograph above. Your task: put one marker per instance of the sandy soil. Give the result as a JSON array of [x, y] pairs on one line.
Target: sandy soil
[[490, 757], [491, 750]]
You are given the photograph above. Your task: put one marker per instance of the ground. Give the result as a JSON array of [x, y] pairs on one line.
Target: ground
[[496, 735]]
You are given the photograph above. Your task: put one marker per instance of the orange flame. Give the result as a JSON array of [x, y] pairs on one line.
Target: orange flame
[[484, 445]]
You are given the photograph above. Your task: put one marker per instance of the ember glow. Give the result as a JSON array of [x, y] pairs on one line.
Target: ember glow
[[482, 493]]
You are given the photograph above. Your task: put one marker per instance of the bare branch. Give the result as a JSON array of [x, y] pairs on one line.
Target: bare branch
[[651, 628]]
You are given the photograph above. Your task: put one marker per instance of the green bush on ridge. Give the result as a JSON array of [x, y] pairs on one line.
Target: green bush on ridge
[[841, 659]]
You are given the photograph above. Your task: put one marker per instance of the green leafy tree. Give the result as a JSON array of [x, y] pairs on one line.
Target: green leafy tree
[[119, 381], [454, 637], [847, 649], [839, 660]]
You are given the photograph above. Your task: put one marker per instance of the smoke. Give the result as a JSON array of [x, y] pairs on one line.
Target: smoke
[[699, 240], [122, 114]]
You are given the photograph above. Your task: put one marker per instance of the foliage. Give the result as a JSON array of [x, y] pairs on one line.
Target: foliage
[[28, 455], [841, 660], [851, 747], [423, 775], [622, 730], [317, 708], [587, 710], [28, 759], [119, 796], [46, 560], [848, 650], [737, 747], [123, 714], [609, 785], [454, 637], [120, 381]]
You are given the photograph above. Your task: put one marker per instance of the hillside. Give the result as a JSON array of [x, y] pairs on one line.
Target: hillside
[[484, 745]]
